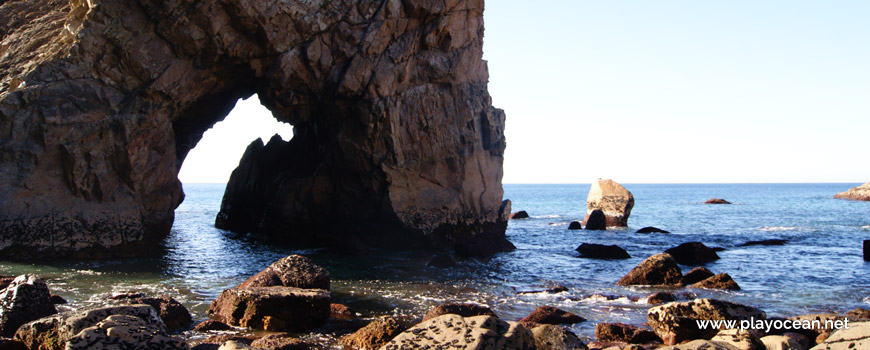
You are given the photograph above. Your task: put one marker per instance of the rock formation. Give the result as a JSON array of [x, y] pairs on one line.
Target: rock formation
[[656, 270], [675, 322], [25, 299], [394, 131], [860, 193], [613, 199]]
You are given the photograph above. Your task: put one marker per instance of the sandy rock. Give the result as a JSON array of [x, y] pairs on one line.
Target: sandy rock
[[235, 345], [740, 339], [272, 308], [25, 299], [719, 281], [118, 332], [550, 315], [696, 275], [693, 253], [856, 337], [659, 269], [291, 271], [613, 199], [600, 251], [552, 337], [374, 335], [173, 314], [859, 193], [464, 310], [779, 342], [676, 322], [451, 331], [717, 201], [212, 325], [620, 332], [595, 221], [280, 341]]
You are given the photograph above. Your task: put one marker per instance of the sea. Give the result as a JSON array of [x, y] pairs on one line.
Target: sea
[[819, 269]]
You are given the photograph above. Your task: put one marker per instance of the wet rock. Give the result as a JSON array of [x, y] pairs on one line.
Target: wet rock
[[779, 342], [719, 281], [552, 290], [657, 270], [550, 315], [11, 344], [857, 315], [522, 214], [575, 225], [25, 299], [650, 229], [693, 253], [676, 322], [374, 335], [212, 325], [340, 311], [739, 339], [57, 299], [600, 251], [764, 242], [124, 332], [280, 341], [291, 271], [859, 193], [173, 314], [717, 201], [443, 261], [449, 332], [595, 221], [620, 332], [660, 298], [272, 308], [552, 337], [696, 275], [612, 199], [464, 310], [856, 337]]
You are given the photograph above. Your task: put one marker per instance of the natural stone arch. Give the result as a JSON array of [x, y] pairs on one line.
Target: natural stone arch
[[395, 140]]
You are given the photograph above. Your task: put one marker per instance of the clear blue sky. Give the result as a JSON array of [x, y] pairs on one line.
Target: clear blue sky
[[661, 91]]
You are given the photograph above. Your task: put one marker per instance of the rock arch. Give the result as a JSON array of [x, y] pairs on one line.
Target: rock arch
[[100, 101]]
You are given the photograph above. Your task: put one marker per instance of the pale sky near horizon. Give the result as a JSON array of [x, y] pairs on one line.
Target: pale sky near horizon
[[656, 92]]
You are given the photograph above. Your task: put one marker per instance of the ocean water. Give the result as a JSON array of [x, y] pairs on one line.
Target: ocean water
[[819, 269]]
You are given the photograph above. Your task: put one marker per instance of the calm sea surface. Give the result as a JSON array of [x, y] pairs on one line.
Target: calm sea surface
[[820, 269]]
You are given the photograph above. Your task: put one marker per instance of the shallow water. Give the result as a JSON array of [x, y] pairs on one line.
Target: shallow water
[[820, 268]]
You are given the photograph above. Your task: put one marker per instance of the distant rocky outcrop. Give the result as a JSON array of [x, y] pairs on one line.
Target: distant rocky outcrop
[[611, 198], [394, 130], [860, 193], [717, 201]]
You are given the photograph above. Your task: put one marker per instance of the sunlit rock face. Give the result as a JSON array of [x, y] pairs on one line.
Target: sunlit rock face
[[395, 134]]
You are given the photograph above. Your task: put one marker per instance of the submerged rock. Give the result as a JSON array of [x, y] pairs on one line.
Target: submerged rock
[[454, 332], [612, 199], [764, 242], [650, 229], [212, 325], [25, 299], [599, 251], [374, 335], [291, 271], [859, 193], [272, 308], [552, 337], [657, 270], [550, 315], [676, 322], [595, 220], [717, 201], [693, 253]]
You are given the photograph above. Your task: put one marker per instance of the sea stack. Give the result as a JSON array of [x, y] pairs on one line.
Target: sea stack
[[611, 198], [860, 193]]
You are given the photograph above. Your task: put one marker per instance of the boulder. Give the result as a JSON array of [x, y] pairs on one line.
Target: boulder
[[552, 337], [764, 242], [522, 214], [595, 221], [612, 199], [341, 312], [280, 341], [600, 251], [124, 332], [657, 270], [173, 314], [660, 298], [291, 271], [25, 299], [699, 344], [857, 336], [272, 308], [464, 310], [575, 225], [454, 332], [374, 335], [719, 281], [717, 201], [696, 275], [693, 253], [620, 332], [857, 315], [859, 193], [57, 299], [740, 339], [550, 315], [11, 344], [676, 322], [779, 342], [650, 229], [212, 325]]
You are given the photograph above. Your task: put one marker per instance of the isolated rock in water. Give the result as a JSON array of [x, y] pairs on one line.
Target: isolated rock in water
[[719, 281], [272, 308], [693, 253], [650, 229], [53, 332], [25, 299], [464, 310], [600, 251], [657, 270], [395, 135], [764, 242], [660, 298], [374, 335], [575, 225], [552, 337], [454, 332], [124, 332], [613, 199], [550, 315], [174, 315], [856, 337], [860, 193], [595, 220], [717, 201], [696, 275], [620, 332], [520, 215], [291, 271], [676, 322]]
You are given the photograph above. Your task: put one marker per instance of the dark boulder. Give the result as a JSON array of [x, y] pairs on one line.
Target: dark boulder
[[596, 220], [522, 214], [765, 242], [173, 314], [5, 281], [717, 201], [552, 337], [650, 229], [25, 299], [696, 275], [719, 281], [660, 298], [212, 325], [575, 225], [11, 344], [57, 299], [550, 315], [600, 251], [657, 270], [464, 310], [291, 271], [693, 253], [620, 332]]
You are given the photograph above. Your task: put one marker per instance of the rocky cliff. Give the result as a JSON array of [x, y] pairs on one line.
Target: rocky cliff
[[101, 100], [859, 193]]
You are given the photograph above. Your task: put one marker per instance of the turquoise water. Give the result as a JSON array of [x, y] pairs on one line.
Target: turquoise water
[[820, 269]]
